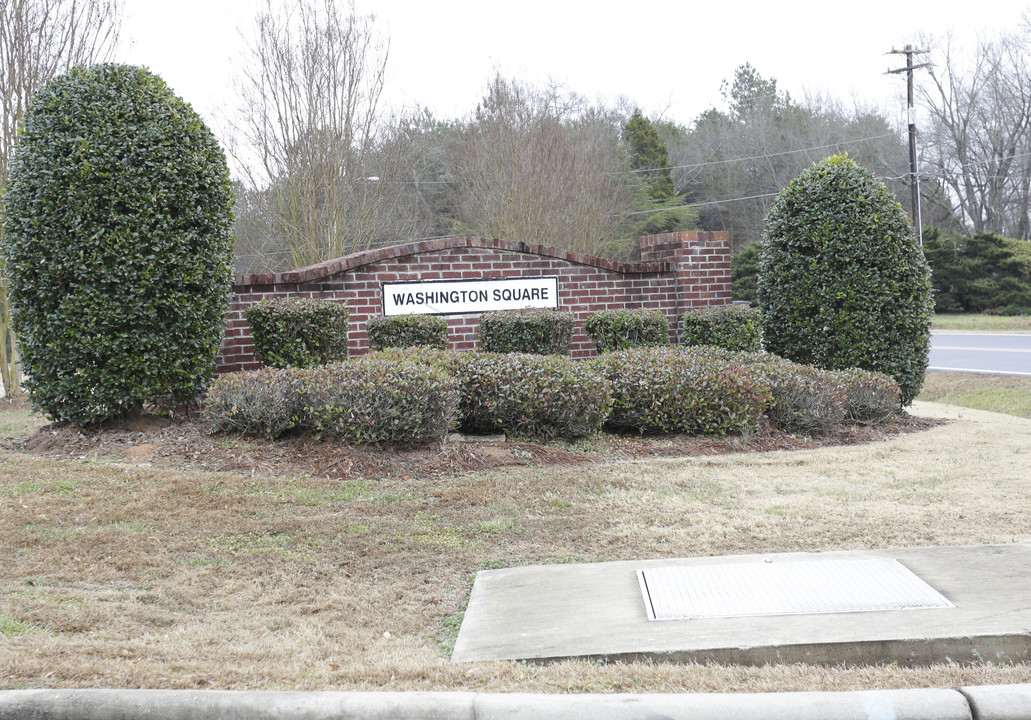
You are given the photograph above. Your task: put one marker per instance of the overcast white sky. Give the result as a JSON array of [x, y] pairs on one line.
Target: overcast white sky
[[667, 56]]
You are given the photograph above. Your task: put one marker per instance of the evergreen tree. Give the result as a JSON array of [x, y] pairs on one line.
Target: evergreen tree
[[648, 156]]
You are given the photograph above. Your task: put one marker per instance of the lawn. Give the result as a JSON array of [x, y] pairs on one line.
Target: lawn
[[1007, 394], [137, 570], [983, 323]]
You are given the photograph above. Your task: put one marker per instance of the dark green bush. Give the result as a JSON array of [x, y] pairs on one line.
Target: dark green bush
[[530, 395], [870, 397], [377, 399], [267, 402], [744, 272], [731, 327], [980, 274], [534, 330], [842, 282], [686, 390], [117, 244], [407, 331], [298, 332], [621, 329]]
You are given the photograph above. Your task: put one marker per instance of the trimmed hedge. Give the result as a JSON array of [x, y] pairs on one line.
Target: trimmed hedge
[[534, 330], [731, 327], [687, 390], [117, 244], [377, 399], [407, 331], [416, 395], [842, 281], [870, 397], [806, 400], [611, 330], [530, 395], [266, 402], [298, 332]]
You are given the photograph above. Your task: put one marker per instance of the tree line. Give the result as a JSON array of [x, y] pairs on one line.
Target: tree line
[[325, 169]]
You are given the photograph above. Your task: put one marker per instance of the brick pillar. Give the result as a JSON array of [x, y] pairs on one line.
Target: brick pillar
[[702, 266]]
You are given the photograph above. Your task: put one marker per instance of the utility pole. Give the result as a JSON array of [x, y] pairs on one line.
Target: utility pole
[[914, 171]]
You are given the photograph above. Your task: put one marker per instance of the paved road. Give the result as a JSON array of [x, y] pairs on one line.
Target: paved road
[[989, 353]]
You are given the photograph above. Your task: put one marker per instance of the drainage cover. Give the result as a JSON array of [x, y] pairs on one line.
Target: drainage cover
[[784, 588]]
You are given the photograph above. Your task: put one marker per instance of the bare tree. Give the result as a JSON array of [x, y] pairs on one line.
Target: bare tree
[[541, 166], [38, 40], [325, 175], [978, 143], [732, 163]]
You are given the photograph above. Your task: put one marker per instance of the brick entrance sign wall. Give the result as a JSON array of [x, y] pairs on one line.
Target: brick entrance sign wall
[[678, 272]]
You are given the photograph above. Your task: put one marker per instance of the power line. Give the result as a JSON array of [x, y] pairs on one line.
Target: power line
[[759, 157]]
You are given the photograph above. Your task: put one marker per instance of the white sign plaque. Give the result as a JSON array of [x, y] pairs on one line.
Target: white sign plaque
[[452, 297]]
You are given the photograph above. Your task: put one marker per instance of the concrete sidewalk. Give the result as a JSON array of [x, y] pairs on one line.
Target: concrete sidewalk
[[1005, 702], [596, 610]]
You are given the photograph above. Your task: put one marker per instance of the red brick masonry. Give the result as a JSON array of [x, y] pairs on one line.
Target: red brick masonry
[[678, 272]]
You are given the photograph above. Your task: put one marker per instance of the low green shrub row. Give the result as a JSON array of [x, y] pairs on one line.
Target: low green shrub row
[[309, 332], [530, 395], [684, 390], [812, 401], [417, 395]]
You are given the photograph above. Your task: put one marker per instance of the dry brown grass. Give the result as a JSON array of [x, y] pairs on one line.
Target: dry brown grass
[[123, 573]]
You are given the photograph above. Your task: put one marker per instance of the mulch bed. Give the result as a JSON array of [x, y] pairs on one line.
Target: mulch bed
[[154, 441]]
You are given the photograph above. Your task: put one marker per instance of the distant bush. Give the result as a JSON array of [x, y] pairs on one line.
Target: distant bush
[[842, 281], [685, 390], [870, 397], [621, 329], [407, 331], [980, 274], [536, 331], [530, 395], [731, 327], [379, 400], [298, 332], [265, 402], [744, 272]]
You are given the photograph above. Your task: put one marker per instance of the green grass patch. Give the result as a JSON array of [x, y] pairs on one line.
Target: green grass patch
[[983, 323], [1005, 394], [10, 627]]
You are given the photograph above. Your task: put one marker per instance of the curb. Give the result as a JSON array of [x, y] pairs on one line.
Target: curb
[[997, 702]]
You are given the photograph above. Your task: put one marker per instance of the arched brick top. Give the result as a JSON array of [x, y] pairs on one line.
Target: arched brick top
[[679, 272], [355, 261]]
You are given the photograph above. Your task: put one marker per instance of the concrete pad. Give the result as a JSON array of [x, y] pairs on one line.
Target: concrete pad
[[554, 612]]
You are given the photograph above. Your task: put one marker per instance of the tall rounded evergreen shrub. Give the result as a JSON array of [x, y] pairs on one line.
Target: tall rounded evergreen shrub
[[118, 245], [842, 281]]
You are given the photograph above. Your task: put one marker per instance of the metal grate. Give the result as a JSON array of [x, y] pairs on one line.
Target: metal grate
[[784, 588]]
